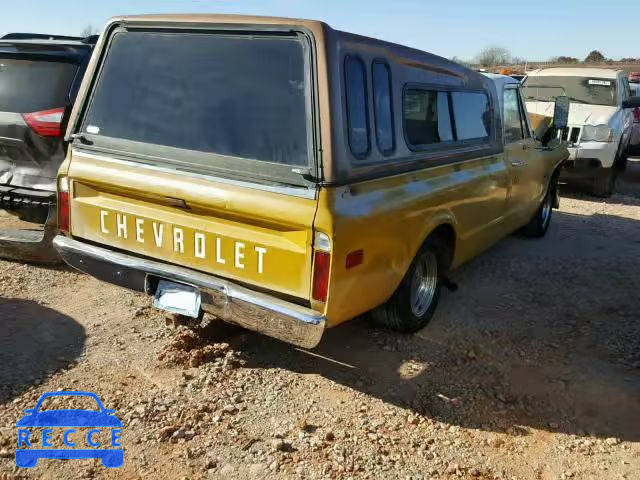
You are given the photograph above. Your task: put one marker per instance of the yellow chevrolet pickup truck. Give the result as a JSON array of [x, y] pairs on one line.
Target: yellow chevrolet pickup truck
[[286, 176]]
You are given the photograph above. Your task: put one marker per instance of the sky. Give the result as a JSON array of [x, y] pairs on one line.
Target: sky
[[534, 29]]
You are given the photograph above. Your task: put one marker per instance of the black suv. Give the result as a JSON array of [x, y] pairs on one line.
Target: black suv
[[39, 78]]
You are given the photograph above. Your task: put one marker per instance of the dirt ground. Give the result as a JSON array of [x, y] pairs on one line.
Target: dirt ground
[[531, 370]]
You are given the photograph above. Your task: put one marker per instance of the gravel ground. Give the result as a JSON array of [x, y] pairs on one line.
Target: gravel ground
[[530, 370]]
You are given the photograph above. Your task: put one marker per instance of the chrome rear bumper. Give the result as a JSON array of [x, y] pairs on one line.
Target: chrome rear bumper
[[255, 311]]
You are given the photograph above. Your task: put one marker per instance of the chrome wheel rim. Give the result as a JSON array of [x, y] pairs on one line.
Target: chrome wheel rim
[[546, 210], [424, 284]]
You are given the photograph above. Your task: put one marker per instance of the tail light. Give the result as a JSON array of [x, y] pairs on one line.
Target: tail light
[[63, 205], [636, 115], [47, 123], [321, 267]]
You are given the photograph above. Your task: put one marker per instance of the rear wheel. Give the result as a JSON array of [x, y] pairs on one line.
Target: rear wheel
[[414, 302]]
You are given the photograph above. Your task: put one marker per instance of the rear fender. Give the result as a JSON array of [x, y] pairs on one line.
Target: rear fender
[[440, 219]]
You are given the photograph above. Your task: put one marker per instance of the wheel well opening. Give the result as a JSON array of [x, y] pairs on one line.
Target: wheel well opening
[[445, 236]]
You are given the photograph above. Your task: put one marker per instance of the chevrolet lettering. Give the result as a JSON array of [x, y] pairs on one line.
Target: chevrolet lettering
[[287, 177], [204, 246]]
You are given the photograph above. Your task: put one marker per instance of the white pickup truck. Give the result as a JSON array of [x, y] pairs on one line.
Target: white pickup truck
[[600, 119]]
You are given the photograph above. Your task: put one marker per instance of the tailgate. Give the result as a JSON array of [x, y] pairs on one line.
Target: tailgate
[[243, 233]]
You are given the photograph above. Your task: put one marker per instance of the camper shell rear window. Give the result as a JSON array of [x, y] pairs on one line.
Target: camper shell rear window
[[224, 101]]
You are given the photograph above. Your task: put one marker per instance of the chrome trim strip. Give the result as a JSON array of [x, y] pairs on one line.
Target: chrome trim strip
[[254, 310], [301, 192]]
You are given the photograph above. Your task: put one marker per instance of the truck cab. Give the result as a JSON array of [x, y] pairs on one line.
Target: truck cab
[[526, 144]]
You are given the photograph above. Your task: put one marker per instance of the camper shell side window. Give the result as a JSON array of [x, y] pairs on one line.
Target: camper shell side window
[[401, 110], [383, 106], [357, 101]]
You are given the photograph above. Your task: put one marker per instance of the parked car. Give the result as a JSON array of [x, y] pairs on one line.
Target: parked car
[[39, 79], [634, 143], [288, 177], [600, 119]]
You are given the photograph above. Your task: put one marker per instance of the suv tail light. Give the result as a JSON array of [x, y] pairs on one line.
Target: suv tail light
[[321, 267], [63, 205], [47, 123], [636, 115]]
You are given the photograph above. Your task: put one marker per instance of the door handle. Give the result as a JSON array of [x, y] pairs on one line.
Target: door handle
[[517, 163]]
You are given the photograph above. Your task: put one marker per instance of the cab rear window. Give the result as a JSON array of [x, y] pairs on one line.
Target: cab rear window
[[426, 117], [230, 95], [434, 117], [28, 86], [472, 115]]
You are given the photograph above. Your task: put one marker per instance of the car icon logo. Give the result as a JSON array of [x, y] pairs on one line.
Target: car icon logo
[[66, 422]]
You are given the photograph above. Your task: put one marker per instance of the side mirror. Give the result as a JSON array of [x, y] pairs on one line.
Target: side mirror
[[561, 113], [632, 102]]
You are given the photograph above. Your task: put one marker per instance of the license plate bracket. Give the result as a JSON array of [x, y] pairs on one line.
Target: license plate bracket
[[178, 298]]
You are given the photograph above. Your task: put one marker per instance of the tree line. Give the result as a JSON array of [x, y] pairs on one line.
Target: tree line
[[500, 56]]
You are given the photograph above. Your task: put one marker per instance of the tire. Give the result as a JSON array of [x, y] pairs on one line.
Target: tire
[[623, 160], [539, 224], [604, 182], [413, 304]]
